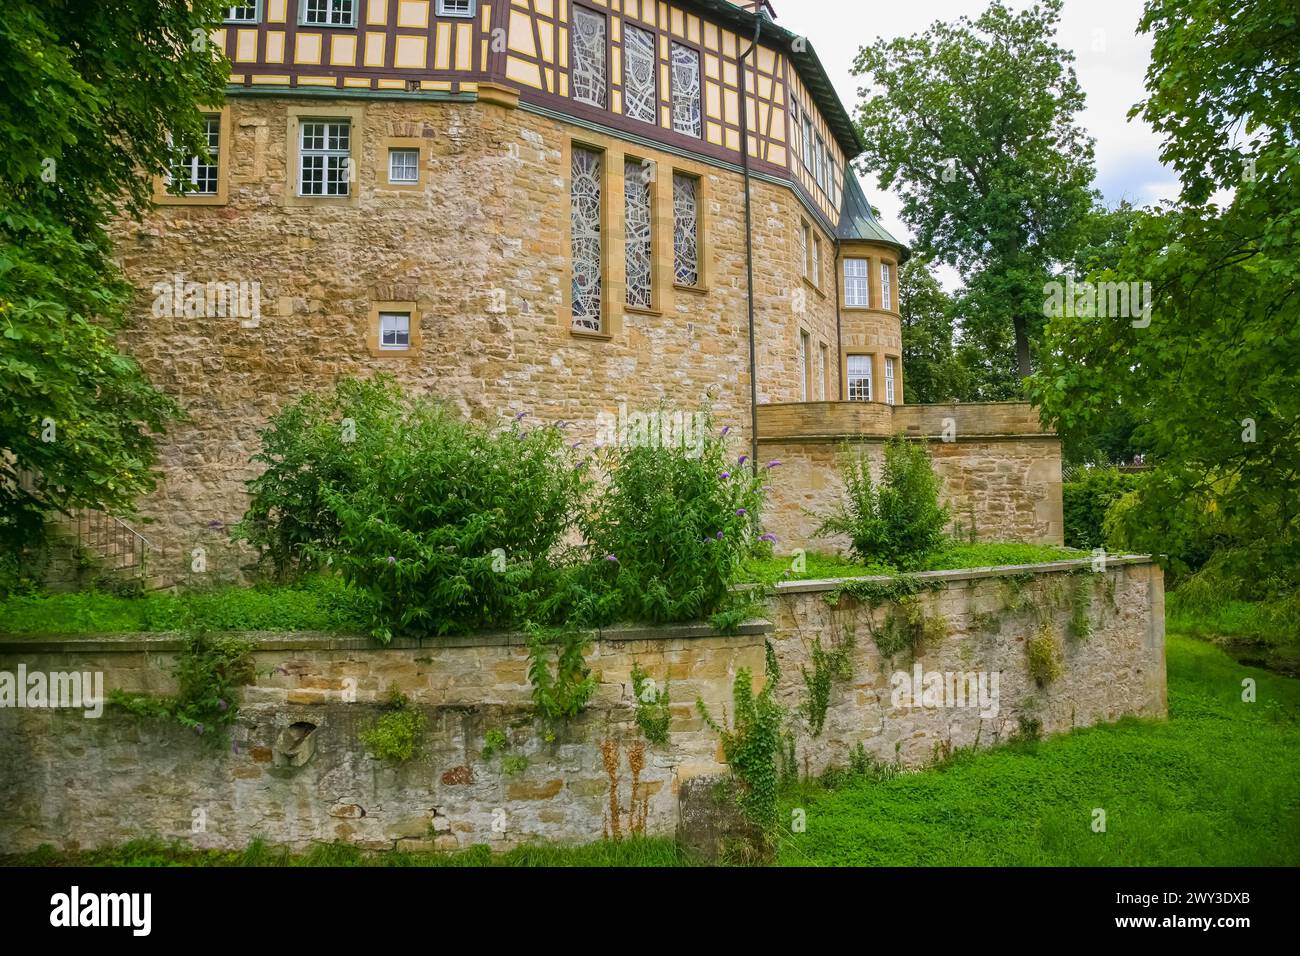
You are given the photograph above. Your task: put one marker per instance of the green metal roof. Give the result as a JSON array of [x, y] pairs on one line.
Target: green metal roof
[[858, 222], [805, 60]]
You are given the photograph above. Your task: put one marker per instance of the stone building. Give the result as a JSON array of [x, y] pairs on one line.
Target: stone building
[[569, 208]]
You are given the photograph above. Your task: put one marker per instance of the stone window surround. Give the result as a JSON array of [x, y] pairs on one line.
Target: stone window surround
[[613, 278], [222, 196], [390, 143], [296, 116], [874, 262], [657, 232], [372, 329]]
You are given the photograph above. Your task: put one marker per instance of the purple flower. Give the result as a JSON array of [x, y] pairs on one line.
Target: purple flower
[[610, 557], [222, 705], [719, 536], [725, 430], [741, 512], [769, 537], [391, 559], [773, 463], [743, 459], [520, 415], [725, 475], [215, 525], [576, 444]]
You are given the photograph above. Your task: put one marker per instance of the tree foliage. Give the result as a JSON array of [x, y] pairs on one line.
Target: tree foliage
[[1212, 380], [974, 124], [88, 94]]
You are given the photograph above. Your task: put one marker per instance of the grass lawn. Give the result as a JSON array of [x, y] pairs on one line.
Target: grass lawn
[[951, 558], [1216, 784]]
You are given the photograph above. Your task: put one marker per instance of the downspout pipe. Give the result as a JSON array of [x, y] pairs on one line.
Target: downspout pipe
[[749, 244]]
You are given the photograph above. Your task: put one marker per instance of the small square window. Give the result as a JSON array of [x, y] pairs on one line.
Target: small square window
[[329, 13], [404, 166], [394, 331], [455, 8]]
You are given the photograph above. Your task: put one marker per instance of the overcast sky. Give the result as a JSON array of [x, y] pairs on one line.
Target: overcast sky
[[1110, 58]]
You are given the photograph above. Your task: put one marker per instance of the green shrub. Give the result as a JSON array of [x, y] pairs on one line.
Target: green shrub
[[397, 734], [1043, 655], [653, 706], [898, 521], [312, 445], [1086, 501], [561, 692], [673, 530]]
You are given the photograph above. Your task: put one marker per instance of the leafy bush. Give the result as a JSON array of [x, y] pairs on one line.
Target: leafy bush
[[1086, 501], [653, 706], [673, 530], [1043, 656], [565, 691], [900, 520], [308, 447], [445, 525]]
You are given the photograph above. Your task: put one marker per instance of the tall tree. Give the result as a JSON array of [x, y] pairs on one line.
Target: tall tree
[[89, 93], [1213, 377], [974, 124], [933, 371]]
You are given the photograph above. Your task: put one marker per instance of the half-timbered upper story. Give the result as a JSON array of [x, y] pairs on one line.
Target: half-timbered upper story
[[666, 72]]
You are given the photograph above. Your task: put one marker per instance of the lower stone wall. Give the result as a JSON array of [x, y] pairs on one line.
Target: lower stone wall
[[295, 770], [1112, 665]]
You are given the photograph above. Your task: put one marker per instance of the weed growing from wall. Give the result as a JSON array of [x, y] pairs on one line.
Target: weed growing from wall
[[1043, 653], [209, 671], [653, 715], [562, 690], [828, 665], [397, 734]]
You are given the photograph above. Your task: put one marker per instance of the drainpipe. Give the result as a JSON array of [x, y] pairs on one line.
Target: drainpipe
[[839, 332], [749, 246]]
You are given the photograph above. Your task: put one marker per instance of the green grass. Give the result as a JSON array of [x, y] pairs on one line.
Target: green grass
[[633, 852], [320, 604], [953, 557], [1215, 785]]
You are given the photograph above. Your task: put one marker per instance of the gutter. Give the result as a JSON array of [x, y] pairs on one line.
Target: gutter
[[749, 244]]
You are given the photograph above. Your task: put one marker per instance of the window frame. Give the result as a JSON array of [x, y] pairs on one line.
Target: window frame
[[803, 358], [886, 287], [851, 280], [868, 361], [604, 213], [405, 346], [891, 380], [161, 192], [441, 10], [824, 357], [325, 153], [258, 12], [393, 152], [304, 22], [374, 331]]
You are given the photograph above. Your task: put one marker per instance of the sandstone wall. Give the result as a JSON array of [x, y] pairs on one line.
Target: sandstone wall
[[1116, 668], [481, 248], [1001, 474], [73, 781]]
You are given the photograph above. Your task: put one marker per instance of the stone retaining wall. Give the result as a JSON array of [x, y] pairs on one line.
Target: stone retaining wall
[[295, 770]]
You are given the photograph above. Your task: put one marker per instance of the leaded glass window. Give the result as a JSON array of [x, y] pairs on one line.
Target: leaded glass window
[[589, 58], [686, 91], [584, 201], [686, 229], [636, 227], [807, 142], [639, 97]]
